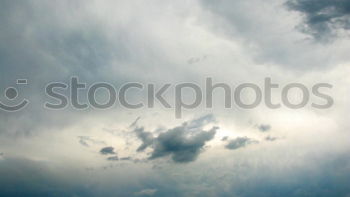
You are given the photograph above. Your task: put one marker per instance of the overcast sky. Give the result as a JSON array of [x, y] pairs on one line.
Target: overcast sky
[[148, 151]]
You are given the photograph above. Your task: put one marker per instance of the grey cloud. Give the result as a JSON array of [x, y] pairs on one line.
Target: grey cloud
[[83, 142], [194, 60], [35, 40], [183, 143], [107, 151], [240, 142], [271, 139], [23, 177], [264, 127], [268, 34], [77, 43], [201, 121], [135, 122], [140, 160], [323, 17], [330, 177], [114, 158], [134, 160], [179, 145], [224, 138], [145, 137], [86, 141]]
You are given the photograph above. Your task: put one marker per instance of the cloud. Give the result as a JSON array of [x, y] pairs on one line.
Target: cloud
[[86, 141], [271, 139], [55, 47], [317, 177], [323, 17], [266, 33], [126, 159], [133, 124], [183, 143], [146, 192], [264, 127], [25, 177], [117, 41], [201, 121], [329, 177], [240, 142], [195, 60], [182, 147], [224, 138], [107, 151], [145, 137], [114, 158]]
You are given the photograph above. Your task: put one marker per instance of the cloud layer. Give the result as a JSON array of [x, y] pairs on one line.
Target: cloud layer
[[323, 18], [93, 153]]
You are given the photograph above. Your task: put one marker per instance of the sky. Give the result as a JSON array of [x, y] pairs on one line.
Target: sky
[[149, 151]]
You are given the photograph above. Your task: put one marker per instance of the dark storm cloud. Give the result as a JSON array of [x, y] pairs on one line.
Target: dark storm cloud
[[240, 142], [107, 151], [126, 159], [323, 17], [180, 146], [183, 143]]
